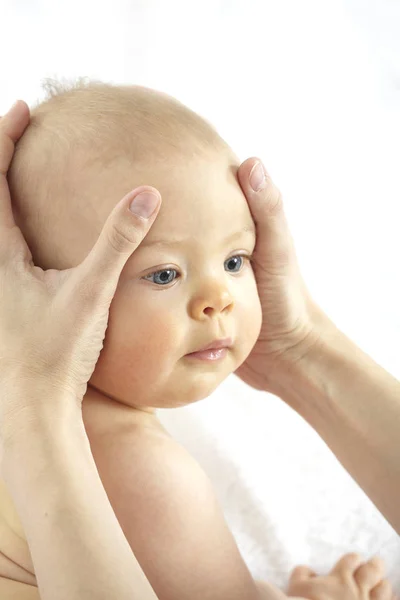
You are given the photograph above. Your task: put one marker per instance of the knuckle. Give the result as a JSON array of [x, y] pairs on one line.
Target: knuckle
[[120, 240], [353, 556], [375, 565], [350, 560], [377, 562], [275, 200]]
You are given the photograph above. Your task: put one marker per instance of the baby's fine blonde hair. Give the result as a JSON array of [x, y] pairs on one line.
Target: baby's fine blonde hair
[[80, 129]]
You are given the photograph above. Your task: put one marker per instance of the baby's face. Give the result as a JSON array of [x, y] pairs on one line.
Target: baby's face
[[188, 284]]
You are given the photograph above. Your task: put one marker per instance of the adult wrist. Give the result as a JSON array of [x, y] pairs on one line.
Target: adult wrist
[[306, 376], [28, 435], [290, 376], [30, 409], [52, 477]]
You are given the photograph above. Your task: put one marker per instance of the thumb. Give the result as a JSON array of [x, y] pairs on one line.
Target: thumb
[[274, 250], [123, 232]]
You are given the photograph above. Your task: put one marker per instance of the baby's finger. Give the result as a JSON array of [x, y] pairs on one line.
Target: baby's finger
[[348, 564], [274, 251], [301, 573], [383, 591], [122, 233], [12, 126]]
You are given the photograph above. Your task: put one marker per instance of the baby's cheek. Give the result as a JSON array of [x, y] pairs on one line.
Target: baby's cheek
[[143, 352], [155, 337], [256, 316], [140, 334], [253, 318], [248, 326]]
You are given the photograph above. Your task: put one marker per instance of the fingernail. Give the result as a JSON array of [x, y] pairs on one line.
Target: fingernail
[[144, 204], [257, 177]]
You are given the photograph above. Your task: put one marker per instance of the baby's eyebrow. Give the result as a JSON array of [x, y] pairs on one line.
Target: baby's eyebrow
[[230, 238]]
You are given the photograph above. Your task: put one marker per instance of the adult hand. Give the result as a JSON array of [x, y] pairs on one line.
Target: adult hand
[[291, 321], [53, 323]]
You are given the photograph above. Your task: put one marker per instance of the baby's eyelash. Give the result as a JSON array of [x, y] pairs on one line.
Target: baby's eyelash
[[248, 257]]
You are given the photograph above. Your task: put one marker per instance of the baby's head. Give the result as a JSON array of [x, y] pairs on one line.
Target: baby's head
[[190, 281]]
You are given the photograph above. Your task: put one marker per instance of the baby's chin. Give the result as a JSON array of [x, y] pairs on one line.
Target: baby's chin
[[193, 383], [180, 398]]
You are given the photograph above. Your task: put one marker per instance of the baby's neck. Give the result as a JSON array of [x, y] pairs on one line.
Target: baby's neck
[[102, 414], [94, 394]]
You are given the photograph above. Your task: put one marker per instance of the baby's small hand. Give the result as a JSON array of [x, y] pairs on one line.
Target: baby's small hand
[[350, 579]]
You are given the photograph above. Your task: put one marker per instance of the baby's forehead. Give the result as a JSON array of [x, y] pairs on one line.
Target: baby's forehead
[[191, 214], [197, 194], [214, 239]]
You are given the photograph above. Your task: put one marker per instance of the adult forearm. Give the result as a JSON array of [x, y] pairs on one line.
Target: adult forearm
[[77, 546], [354, 404]]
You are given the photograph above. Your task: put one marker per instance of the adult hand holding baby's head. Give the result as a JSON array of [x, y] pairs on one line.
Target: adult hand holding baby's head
[[292, 322], [53, 323]]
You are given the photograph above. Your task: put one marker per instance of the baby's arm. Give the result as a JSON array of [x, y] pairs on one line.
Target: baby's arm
[[167, 509], [170, 516]]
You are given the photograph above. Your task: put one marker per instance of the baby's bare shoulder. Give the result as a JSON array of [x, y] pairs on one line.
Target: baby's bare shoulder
[[140, 449], [121, 436], [169, 514]]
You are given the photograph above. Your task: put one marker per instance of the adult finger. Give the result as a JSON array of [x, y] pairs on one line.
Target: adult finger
[[122, 233], [12, 126], [274, 250]]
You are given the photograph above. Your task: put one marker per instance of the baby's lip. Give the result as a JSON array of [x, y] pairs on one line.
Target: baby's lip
[[215, 345]]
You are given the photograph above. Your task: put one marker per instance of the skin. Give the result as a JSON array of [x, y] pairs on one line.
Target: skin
[[153, 325], [354, 581]]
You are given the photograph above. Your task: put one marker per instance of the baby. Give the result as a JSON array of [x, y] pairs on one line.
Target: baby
[[188, 286]]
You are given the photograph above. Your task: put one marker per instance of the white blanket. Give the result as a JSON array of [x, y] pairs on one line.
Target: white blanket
[[286, 498]]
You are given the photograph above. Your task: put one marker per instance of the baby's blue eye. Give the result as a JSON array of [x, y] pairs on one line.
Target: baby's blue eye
[[233, 261], [163, 277]]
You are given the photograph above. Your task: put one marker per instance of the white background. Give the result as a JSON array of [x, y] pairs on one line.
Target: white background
[[313, 88]]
